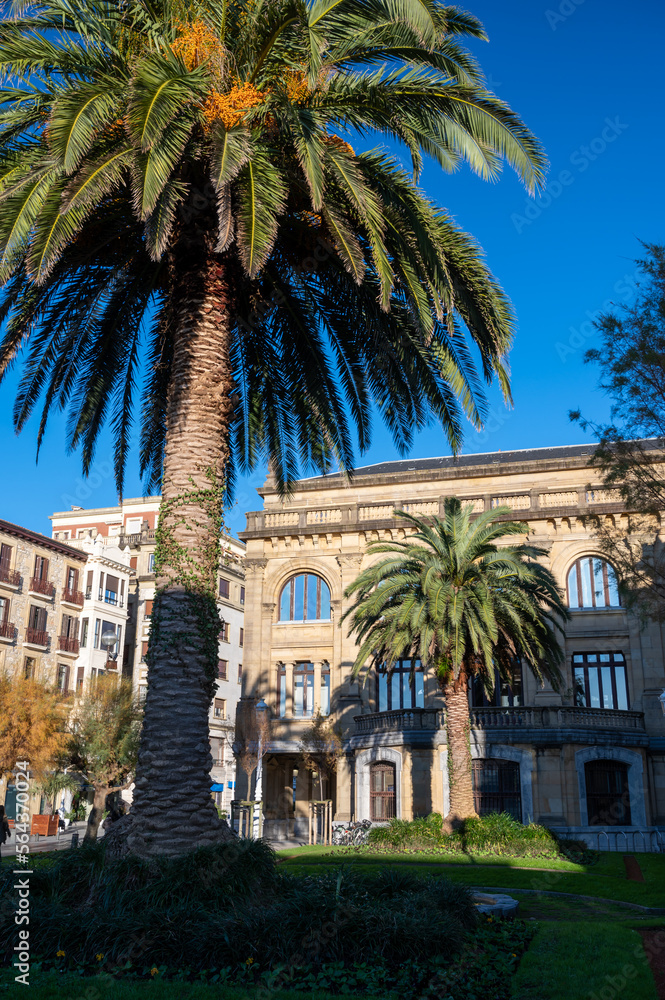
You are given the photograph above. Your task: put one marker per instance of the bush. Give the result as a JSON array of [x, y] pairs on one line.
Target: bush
[[496, 833], [229, 906]]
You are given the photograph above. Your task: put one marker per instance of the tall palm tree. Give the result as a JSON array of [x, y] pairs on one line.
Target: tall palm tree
[[182, 206], [466, 607]]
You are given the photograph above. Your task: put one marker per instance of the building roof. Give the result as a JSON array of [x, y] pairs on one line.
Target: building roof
[[37, 539]]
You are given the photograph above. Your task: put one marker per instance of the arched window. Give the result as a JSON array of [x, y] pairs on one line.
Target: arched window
[[592, 583], [400, 688], [382, 791], [304, 598], [496, 787], [607, 796]]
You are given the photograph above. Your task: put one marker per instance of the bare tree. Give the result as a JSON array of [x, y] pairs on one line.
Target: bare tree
[[321, 748]]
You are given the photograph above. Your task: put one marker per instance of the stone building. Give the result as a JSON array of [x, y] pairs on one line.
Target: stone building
[[125, 535], [41, 598], [589, 760]]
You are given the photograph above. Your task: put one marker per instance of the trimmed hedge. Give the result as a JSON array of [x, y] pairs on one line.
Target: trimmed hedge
[[496, 833]]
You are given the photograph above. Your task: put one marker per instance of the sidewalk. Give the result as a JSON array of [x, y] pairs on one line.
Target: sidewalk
[[60, 842]]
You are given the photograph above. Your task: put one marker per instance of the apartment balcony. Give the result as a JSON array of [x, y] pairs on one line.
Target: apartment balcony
[[36, 637], [7, 631], [74, 598], [67, 645], [537, 724], [399, 720], [555, 717], [42, 588], [10, 577]]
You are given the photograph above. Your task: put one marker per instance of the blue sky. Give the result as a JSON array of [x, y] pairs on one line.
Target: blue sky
[[587, 80]]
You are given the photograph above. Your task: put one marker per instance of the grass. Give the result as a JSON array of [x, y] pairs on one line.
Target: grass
[[584, 961], [606, 879], [69, 986]]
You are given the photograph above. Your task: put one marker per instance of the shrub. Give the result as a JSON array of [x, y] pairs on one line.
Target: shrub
[[496, 833], [223, 906]]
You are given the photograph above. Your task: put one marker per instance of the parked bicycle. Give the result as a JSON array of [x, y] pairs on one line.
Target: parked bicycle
[[351, 834]]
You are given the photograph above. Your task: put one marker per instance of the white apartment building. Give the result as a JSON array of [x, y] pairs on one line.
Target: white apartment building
[[125, 534]]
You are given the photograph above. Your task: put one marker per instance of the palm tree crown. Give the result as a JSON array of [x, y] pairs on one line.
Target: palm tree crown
[[464, 605], [134, 133], [452, 597]]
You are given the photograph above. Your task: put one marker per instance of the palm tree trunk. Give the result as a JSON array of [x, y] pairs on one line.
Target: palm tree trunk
[[173, 811], [456, 694]]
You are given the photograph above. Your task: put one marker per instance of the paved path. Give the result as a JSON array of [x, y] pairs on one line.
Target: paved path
[[60, 842]]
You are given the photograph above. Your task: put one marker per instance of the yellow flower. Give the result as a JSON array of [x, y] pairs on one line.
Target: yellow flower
[[514, 955], [154, 971], [99, 957], [60, 954], [249, 961]]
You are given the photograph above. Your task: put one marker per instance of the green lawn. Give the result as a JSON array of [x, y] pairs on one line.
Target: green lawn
[[584, 961], [606, 879]]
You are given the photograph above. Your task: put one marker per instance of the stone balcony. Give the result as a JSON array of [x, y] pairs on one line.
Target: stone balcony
[[529, 724]]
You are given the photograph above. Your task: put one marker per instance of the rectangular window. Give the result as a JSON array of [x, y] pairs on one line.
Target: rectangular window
[[600, 680], [303, 690], [224, 588], [97, 627], [111, 590], [63, 678], [148, 609], [282, 691], [5, 556], [80, 674], [4, 610], [69, 627], [41, 568], [220, 708], [242, 637], [72, 579], [144, 651], [242, 595], [88, 585], [37, 618], [400, 688], [505, 694], [224, 632], [132, 525], [29, 668], [151, 563], [133, 563], [325, 692], [143, 690], [239, 672], [222, 669]]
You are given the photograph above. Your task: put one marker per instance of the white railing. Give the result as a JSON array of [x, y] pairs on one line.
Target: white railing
[[516, 503], [603, 496], [282, 519], [569, 499], [330, 516], [382, 513]]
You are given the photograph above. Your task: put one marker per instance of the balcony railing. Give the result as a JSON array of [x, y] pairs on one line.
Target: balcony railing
[[514, 719], [36, 636], [10, 576], [400, 719], [559, 717], [68, 645], [7, 630], [72, 597], [42, 587]]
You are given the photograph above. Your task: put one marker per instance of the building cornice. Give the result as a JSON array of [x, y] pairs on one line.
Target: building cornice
[[36, 539]]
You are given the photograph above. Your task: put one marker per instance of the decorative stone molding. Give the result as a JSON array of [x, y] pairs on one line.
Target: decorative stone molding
[[522, 502], [331, 515], [282, 518], [603, 496], [568, 499], [363, 762], [635, 779], [255, 565]]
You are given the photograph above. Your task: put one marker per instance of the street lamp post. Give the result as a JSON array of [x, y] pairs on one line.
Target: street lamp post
[[108, 641], [261, 708]]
